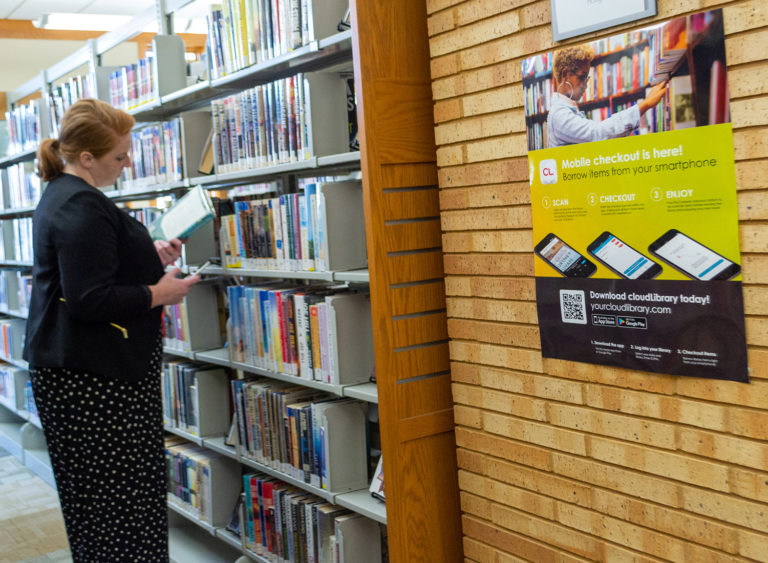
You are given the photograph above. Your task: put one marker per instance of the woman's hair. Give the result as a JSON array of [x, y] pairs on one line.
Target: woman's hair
[[88, 126], [569, 59]]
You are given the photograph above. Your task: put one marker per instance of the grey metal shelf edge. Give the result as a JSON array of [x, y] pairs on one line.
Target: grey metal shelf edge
[[350, 276], [16, 211], [18, 157], [364, 391], [319, 54]]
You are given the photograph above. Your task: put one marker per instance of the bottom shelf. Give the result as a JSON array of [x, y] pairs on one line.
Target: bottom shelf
[[40, 463], [186, 543], [10, 439]]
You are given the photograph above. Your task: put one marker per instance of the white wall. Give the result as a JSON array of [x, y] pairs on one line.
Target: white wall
[[23, 59]]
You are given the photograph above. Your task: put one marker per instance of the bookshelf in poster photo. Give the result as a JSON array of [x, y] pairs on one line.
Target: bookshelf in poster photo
[[280, 522], [25, 127], [61, 98], [21, 186], [203, 483], [242, 33], [299, 330], [302, 433], [320, 229]]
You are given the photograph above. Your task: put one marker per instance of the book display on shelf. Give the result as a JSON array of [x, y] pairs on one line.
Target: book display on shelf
[[202, 482], [155, 155], [25, 127], [16, 240], [192, 398], [21, 187], [61, 97], [242, 33], [321, 229]]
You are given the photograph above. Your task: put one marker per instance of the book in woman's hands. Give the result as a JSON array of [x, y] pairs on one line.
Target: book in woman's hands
[[188, 214]]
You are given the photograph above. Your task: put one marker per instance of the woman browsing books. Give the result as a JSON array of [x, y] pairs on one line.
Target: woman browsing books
[[566, 125], [93, 342]]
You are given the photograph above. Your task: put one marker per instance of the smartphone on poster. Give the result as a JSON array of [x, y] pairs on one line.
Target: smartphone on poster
[[622, 259], [569, 263], [692, 258]]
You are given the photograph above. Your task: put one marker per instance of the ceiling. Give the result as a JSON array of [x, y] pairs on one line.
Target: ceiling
[[33, 9]]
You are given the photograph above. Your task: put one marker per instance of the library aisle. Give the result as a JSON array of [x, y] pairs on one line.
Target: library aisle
[[31, 526]]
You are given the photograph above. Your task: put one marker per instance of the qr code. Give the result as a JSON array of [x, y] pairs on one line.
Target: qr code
[[573, 308]]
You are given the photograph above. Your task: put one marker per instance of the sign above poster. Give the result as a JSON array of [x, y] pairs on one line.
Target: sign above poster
[[576, 17]]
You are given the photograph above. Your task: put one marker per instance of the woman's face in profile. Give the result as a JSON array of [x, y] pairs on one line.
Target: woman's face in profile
[[578, 80]]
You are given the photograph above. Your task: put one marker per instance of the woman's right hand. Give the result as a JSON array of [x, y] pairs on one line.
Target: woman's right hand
[[171, 289], [654, 97]]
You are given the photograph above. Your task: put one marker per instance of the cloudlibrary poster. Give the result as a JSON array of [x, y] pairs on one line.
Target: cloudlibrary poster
[[633, 194]]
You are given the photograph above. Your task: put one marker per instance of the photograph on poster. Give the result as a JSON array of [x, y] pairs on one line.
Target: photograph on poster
[[660, 78]]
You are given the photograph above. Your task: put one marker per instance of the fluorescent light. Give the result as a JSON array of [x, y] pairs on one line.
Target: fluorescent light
[[81, 22]]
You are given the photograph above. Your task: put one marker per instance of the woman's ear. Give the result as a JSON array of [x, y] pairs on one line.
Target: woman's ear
[[85, 159]]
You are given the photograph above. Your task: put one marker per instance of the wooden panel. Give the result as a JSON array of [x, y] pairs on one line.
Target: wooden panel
[[422, 426], [415, 267], [418, 397], [418, 174], [418, 330], [401, 140], [417, 298], [394, 98], [413, 236], [423, 360], [410, 204]]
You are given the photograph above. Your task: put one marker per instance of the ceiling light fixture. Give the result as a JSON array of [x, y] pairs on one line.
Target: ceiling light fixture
[[80, 22]]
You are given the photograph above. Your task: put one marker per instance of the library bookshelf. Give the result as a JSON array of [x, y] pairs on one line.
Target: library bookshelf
[[400, 217]]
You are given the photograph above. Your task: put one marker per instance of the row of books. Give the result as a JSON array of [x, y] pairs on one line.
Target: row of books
[[24, 127], [132, 85], [156, 155], [188, 387], [262, 126], [245, 32], [61, 97], [537, 136], [619, 41], [16, 237], [12, 338], [15, 290], [303, 433], [625, 75], [21, 186], [191, 470], [294, 329], [282, 523], [319, 229]]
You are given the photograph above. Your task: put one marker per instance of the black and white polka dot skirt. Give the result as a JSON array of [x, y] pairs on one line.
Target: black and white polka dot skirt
[[105, 439]]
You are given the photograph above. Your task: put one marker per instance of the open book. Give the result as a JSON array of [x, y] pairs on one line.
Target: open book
[[188, 214]]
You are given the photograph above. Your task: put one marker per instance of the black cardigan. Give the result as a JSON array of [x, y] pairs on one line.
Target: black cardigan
[[90, 306]]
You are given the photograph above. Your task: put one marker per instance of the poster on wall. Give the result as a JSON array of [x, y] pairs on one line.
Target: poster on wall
[[633, 194]]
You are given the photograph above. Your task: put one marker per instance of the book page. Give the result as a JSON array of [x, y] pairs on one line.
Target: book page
[[188, 211]]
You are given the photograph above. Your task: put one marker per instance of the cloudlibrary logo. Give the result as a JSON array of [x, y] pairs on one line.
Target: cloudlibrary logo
[[548, 171]]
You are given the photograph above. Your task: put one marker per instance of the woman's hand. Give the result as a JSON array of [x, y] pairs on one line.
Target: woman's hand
[[171, 289], [169, 251], [653, 97]]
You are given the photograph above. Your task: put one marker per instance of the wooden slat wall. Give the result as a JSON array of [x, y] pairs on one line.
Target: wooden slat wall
[[394, 104], [561, 461]]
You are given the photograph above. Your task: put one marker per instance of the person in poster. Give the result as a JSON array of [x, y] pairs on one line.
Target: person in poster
[[566, 124], [633, 195]]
